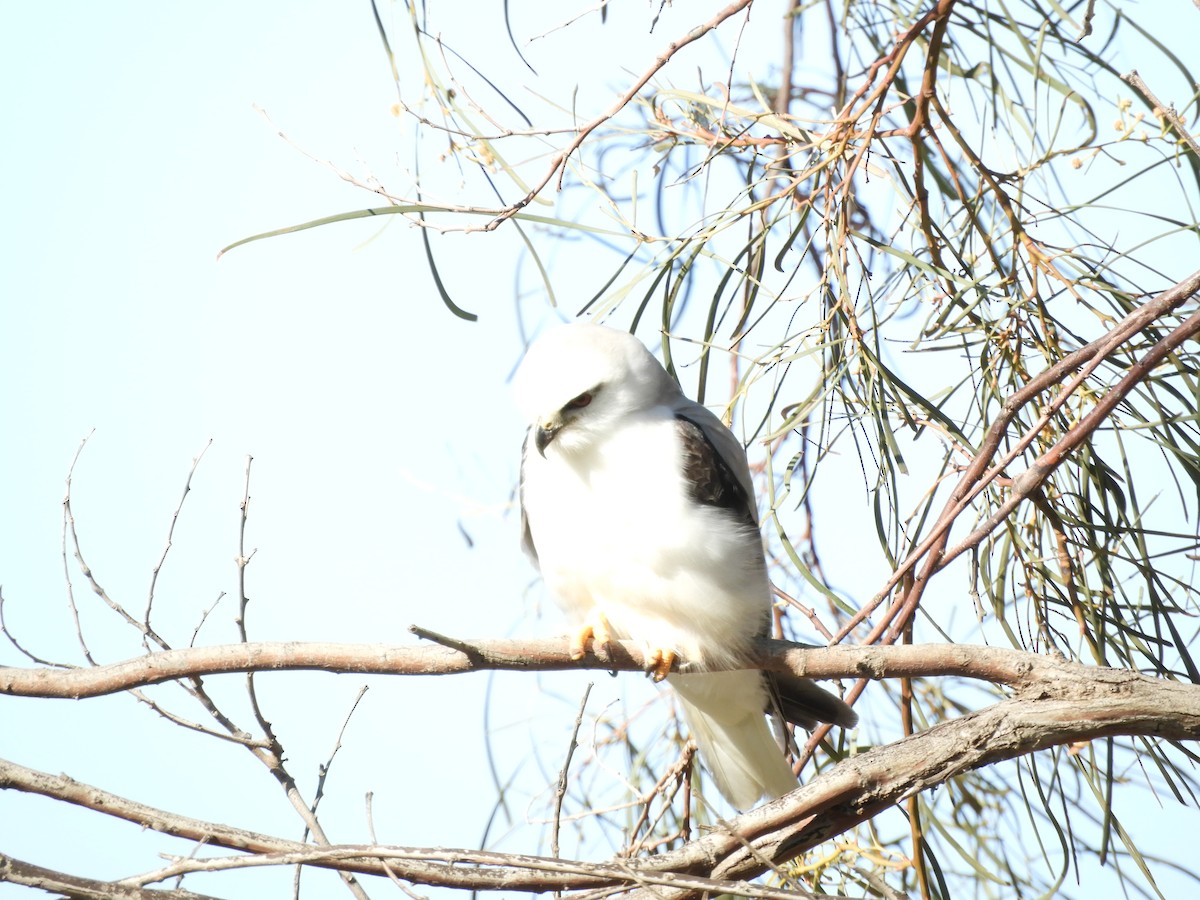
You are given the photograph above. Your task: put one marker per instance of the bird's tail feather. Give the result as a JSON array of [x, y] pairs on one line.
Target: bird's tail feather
[[725, 713], [805, 703]]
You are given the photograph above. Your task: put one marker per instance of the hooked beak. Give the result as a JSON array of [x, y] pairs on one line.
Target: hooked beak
[[544, 433]]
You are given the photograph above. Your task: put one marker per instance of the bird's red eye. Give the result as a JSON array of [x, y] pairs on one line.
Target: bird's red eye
[[581, 401]]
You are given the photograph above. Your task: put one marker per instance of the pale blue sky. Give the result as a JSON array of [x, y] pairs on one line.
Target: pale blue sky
[[380, 424]]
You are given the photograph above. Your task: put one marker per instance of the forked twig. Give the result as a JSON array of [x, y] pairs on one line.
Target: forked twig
[[560, 790], [187, 488]]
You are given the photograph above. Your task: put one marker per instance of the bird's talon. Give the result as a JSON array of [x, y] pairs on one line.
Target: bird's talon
[[596, 631], [659, 662]]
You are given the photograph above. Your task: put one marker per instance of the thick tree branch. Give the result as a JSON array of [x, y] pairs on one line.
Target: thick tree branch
[[1080, 707], [1058, 702], [68, 790], [1016, 668], [447, 867], [15, 871]]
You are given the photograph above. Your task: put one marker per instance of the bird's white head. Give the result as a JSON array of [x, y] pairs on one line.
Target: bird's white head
[[576, 380]]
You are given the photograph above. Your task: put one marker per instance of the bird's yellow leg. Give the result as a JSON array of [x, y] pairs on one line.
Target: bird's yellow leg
[[659, 661], [595, 628]]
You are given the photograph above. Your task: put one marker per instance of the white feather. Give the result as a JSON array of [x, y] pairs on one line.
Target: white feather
[[734, 739], [615, 530]]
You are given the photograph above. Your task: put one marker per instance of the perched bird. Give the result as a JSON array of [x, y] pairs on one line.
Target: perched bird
[[638, 508]]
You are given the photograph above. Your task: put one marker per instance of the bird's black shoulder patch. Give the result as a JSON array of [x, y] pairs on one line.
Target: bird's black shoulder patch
[[710, 480]]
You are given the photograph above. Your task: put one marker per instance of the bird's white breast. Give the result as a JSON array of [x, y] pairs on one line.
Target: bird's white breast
[[615, 529]]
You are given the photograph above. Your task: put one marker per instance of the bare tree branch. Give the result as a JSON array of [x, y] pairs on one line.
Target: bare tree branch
[[950, 229], [1161, 110], [861, 787], [985, 467], [1064, 703], [15, 871], [1016, 668]]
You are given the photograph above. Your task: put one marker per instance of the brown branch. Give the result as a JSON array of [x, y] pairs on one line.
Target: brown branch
[[15, 871], [984, 468], [1059, 702], [1162, 111], [1012, 667], [1084, 705], [1032, 478], [893, 59], [68, 790], [920, 123], [527, 869], [1024, 484], [447, 867]]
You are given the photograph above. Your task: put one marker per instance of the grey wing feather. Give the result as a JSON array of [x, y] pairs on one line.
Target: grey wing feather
[[720, 475], [728, 448], [709, 480], [526, 533]]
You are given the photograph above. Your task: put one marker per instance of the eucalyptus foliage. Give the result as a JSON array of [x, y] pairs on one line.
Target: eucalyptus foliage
[[913, 252]]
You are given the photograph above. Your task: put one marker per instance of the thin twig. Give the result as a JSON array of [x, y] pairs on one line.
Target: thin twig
[[243, 560], [69, 527], [12, 639], [561, 790], [677, 773], [148, 634], [323, 771], [558, 165], [274, 757], [392, 876], [187, 488], [985, 467], [204, 618]]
